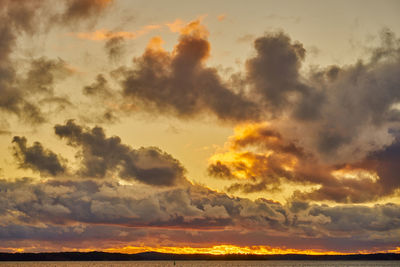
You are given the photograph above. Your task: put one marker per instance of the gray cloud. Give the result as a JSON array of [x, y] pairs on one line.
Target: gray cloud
[[181, 84], [115, 48], [99, 210], [19, 95], [274, 72], [99, 87], [78, 10], [101, 95], [345, 112], [37, 158], [42, 75], [101, 154]]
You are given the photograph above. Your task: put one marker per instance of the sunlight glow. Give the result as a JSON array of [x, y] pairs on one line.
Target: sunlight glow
[[227, 249]]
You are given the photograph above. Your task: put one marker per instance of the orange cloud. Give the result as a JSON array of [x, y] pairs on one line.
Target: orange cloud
[[102, 3], [104, 34], [194, 28], [155, 44], [176, 26], [258, 158], [221, 17]]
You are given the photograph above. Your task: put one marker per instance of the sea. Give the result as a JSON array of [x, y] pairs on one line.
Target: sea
[[200, 263]]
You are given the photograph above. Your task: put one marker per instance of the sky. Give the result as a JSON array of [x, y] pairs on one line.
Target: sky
[[200, 126]]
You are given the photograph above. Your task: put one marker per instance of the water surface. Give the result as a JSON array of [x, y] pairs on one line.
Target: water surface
[[201, 263]]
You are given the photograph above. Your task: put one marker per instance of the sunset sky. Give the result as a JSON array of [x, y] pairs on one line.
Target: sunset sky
[[200, 126]]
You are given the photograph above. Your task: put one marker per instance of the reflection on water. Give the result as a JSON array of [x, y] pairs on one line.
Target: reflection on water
[[201, 263]]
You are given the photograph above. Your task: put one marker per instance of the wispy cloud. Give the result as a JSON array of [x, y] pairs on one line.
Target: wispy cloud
[[104, 34]]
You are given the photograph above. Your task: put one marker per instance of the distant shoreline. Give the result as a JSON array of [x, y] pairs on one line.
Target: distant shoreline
[[155, 256]]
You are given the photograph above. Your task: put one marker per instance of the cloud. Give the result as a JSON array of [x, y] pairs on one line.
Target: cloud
[[91, 211], [115, 48], [99, 87], [273, 73], [101, 155], [179, 83], [186, 28], [37, 158], [221, 17], [11, 20], [245, 38], [334, 110], [259, 159], [106, 105], [20, 94], [43, 73], [104, 34], [312, 107], [76, 10]]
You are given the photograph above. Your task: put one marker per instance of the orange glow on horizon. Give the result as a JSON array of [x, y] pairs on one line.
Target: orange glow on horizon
[[223, 249], [232, 249]]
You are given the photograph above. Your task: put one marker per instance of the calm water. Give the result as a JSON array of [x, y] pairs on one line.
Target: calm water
[[202, 263]]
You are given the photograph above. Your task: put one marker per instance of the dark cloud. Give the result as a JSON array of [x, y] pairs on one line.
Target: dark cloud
[[385, 164], [37, 158], [115, 48], [78, 10], [346, 220], [357, 104], [339, 112], [179, 83], [220, 170], [273, 73], [99, 87], [101, 155]]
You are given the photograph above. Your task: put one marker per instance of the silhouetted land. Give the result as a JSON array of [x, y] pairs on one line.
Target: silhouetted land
[[149, 256]]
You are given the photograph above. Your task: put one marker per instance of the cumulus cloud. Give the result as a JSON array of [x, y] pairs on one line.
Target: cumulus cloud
[[313, 107], [334, 129], [179, 83], [37, 158], [343, 112], [92, 210], [260, 159], [101, 155], [273, 72]]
